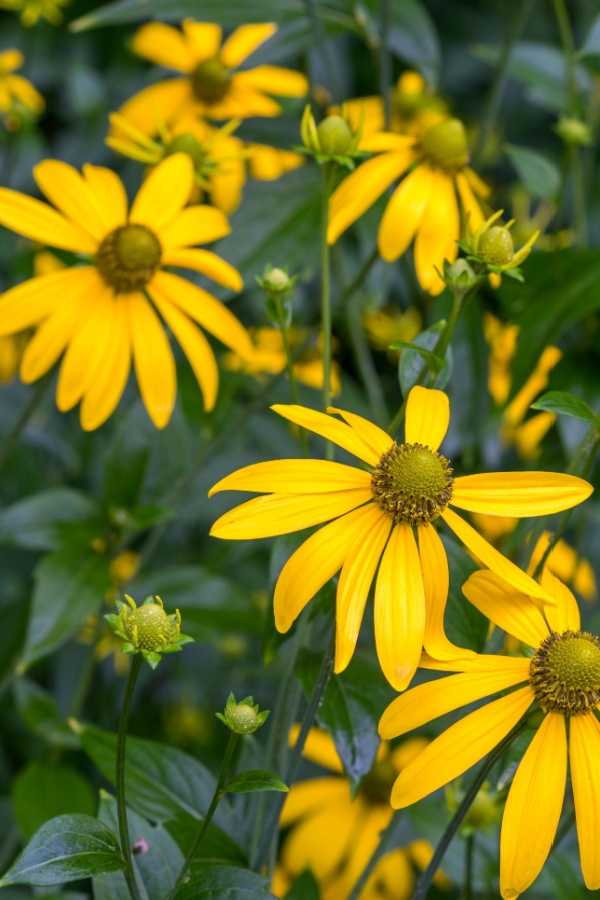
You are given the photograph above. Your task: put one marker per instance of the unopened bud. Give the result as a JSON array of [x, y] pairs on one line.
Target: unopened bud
[[496, 246], [335, 136], [459, 277], [574, 131], [147, 629], [243, 717], [445, 145]]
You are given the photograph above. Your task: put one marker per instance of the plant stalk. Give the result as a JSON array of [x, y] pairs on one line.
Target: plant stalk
[[120, 777], [289, 362], [328, 172]]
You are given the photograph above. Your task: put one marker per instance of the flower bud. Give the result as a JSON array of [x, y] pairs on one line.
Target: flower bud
[[276, 281], [147, 629], [243, 717], [496, 246], [459, 277], [335, 136], [445, 145], [574, 131]]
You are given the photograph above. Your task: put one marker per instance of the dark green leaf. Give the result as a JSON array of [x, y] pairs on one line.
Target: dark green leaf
[[216, 847], [305, 887], [35, 523], [225, 883], [254, 780], [40, 713], [538, 175], [42, 791], [590, 52], [464, 625], [126, 461], [66, 849], [564, 404], [412, 363]]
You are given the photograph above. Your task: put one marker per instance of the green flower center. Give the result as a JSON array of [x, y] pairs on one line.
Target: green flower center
[[149, 627], [377, 786], [187, 143], [412, 483], [128, 257], [335, 136], [496, 246], [211, 80], [243, 718], [565, 673], [445, 145]]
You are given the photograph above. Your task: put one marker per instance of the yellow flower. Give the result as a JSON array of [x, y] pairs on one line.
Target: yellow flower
[[14, 89], [375, 513], [34, 10], [269, 358], [101, 313], [388, 326], [336, 836], [269, 163], [124, 566], [563, 679], [212, 86], [424, 206]]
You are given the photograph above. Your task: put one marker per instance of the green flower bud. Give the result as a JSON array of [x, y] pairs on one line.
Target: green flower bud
[[445, 145], [574, 131], [277, 281], [243, 717], [459, 276], [335, 136], [496, 246], [147, 629]]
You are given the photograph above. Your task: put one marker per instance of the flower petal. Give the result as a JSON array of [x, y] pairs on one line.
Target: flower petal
[[470, 204], [427, 417], [426, 702], [164, 193], [109, 381], [481, 662], [533, 808], [438, 232], [195, 225], [491, 558], [109, 195], [294, 476], [355, 582], [283, 513], [322, 841], [30, 302], [584, 742], [332, 430], [244, 41], [403, 213], [318, 748], [71, 194], [460, 747], [371, 434], [508, 608], [519, 493], [163, 45], [207, 263], [564, 614], [40, 222], [274, 80], [306, 797], [158, 103], [154, 363], [203, 39], [399, 609]]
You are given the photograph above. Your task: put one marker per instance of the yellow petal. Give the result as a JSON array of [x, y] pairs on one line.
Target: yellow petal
[[203, 39], [460, 747], [282, 513], [319, 748], [491, 558], [11, 59], [164, 193], [375, 820], [314, 563], [371, 434], [54, 334], [329, 428], [393, 875], [385, 141], [154, 363], [508, 608], [584, 741], [470, 204], [109, 195], [355, 582], [399, 609], [436, 582], [404, 212], [244, 41], [196, 348], [40, 222], [195, 225], [163, 45], [564, 614], [362, 188], [519, 493], [427, 417], [306, 797], [533, 808], [438, 232], [242, 101], [322, 841], [30, 302], [487, 662], [162, 102], [71, 194], [24, 91], [294, 476], [107, 386], [274, 80], [206, 262], [203, 308], [426, 702]]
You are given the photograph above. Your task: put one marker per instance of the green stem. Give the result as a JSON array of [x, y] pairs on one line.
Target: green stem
[[359, 277], [364, 362], [120, 776], [385, 61], [328, 171], [456, 821], [289, 362], [216, 799], [469, 854], [15, 433]]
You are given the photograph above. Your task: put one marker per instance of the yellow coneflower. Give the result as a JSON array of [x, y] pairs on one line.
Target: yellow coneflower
[[376, 515], [562, 679], [211, 86], [15, 89], [125, 286]]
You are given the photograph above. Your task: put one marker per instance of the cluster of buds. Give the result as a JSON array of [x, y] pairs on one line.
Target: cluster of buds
[[331, 141], [491, 248], [243, 717], [147, 629]]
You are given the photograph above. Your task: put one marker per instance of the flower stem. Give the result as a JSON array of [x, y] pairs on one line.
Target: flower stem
[[364, 361], [15, 433], [469, 854], [289, 361], [328, 172], [216, 799], [385, 62], [120, 776]]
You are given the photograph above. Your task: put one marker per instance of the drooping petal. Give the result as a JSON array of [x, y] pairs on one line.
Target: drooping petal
[[314, 563], [195, 225], [294, 476], [438, 232], [355, 582], [533, 808], [207, 263], [110, 378], [71, 194], [164, 193], [244, 41], [283, 513], [584, 743], [508, 608], [460, 747], [491, 558], [163, 45], [470, 204], [306, 797], [109, 195], [403, 213], [519, 493], [322, 841], [564, 614], [318, 747], [399, 609], [436, 583], [30, 302], [427, 417], [426, 702], [40, 222], [329, 428], [153, 359], [371, 434], [274, 80], [203, 39], [162, 102]]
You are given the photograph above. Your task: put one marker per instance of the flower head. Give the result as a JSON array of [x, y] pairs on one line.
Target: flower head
[[332, 140], [243, 717], [561, 680], [211, 86], [107, 311], [372, 515], [491, 246], [17, 95], [147, 629]]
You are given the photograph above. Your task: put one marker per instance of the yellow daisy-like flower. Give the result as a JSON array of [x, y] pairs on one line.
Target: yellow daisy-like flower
[[15, 88], [34, 10], [336, 836], [425, 206], [212, 86], [106, 312], [376, 515], [563, 678]]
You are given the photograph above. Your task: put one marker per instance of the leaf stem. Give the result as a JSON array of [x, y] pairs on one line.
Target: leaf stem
[[14, 434], [120, 776]]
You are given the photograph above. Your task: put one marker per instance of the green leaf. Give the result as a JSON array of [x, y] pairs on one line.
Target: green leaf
[[126, 461], [305, 887], [42, 791], [254, 780], [590, 52], [66, 849], [225, 883], [538, 175], [35, 523], [464, 625], [564, 404], [40, 713], [216, 847], [70, 586], [411, 362]]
